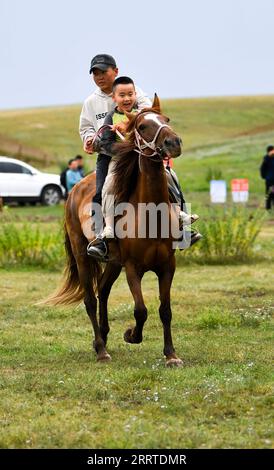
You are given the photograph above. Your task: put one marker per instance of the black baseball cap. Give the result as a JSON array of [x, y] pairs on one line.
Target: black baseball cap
[[102, 62], [269, 148]]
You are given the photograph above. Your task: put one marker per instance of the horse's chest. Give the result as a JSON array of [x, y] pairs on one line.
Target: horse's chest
[[149, 252]]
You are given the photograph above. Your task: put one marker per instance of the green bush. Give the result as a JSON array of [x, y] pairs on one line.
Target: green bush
[[213, 174], [31, 245], [227, 237]]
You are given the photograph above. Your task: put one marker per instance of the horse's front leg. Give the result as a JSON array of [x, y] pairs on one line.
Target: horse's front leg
[[165, 277], [135, 335], [110, 275]]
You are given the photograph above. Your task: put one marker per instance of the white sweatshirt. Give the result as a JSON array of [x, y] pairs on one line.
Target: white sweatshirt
[[96, 107]]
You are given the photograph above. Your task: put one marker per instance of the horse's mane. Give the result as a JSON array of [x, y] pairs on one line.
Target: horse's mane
[[126, 168]]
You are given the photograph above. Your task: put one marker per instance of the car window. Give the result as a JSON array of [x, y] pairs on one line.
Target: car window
[[8, 167], [26, 171]]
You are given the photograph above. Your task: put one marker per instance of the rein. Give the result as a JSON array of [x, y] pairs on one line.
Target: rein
[[101, 130]]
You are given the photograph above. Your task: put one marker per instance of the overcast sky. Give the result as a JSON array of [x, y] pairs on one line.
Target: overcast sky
[[179, 48]]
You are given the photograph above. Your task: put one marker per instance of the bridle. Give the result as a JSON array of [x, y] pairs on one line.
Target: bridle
[[149, 145], [139, 138]]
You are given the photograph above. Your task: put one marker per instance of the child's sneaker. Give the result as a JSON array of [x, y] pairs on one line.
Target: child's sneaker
[[194, 238], [187, 219]]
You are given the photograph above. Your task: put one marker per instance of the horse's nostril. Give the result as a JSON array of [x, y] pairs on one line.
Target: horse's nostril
[[175, 142], [168, 142]]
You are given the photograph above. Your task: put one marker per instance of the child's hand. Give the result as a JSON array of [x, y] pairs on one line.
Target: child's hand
[[121, 127]]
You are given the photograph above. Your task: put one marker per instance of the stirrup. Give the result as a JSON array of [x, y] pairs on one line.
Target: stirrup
[[195, 237], [98, 249]]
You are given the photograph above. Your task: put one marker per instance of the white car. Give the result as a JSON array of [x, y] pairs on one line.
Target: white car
[[21, 182]]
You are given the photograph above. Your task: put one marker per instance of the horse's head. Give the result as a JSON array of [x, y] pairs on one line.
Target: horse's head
[[153, 135]]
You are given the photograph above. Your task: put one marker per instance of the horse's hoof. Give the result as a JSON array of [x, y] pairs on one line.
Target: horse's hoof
[[129, 338], [128, 335], [105, 357], [174, 362]]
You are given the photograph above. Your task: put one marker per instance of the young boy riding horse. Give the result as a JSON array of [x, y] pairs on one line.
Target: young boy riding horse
[[125, 97]]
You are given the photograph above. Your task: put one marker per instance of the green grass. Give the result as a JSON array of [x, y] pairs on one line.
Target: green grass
[[54, 394]]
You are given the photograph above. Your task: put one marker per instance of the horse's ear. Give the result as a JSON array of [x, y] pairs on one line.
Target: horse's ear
[[130, 116], [156, 103]]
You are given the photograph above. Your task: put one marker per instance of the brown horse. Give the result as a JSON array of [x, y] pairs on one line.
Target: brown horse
[[139, 177]]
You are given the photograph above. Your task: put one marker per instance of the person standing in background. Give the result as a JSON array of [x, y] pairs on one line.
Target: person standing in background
[[267, 173], [73, 175], [80, 162]]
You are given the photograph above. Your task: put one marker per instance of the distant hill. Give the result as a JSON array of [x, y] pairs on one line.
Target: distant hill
[[52, 131], [227, 134], [13, 147]]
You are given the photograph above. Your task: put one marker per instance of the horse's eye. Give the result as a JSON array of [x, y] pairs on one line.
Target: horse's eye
[[142, 127]]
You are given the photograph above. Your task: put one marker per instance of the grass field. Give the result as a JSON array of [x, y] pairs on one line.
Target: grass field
[[53, 394]]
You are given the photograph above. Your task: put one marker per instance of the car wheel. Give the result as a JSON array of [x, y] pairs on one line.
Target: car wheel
[[51, 195]]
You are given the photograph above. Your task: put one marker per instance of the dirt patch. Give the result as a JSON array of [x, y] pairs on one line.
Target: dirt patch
[[14, 148], [257, 130], [247, 292]]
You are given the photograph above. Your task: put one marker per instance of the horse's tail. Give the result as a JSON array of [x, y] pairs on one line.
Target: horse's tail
[[73, 291]]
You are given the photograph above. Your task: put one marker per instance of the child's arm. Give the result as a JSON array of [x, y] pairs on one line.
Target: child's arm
[[107, 140]]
